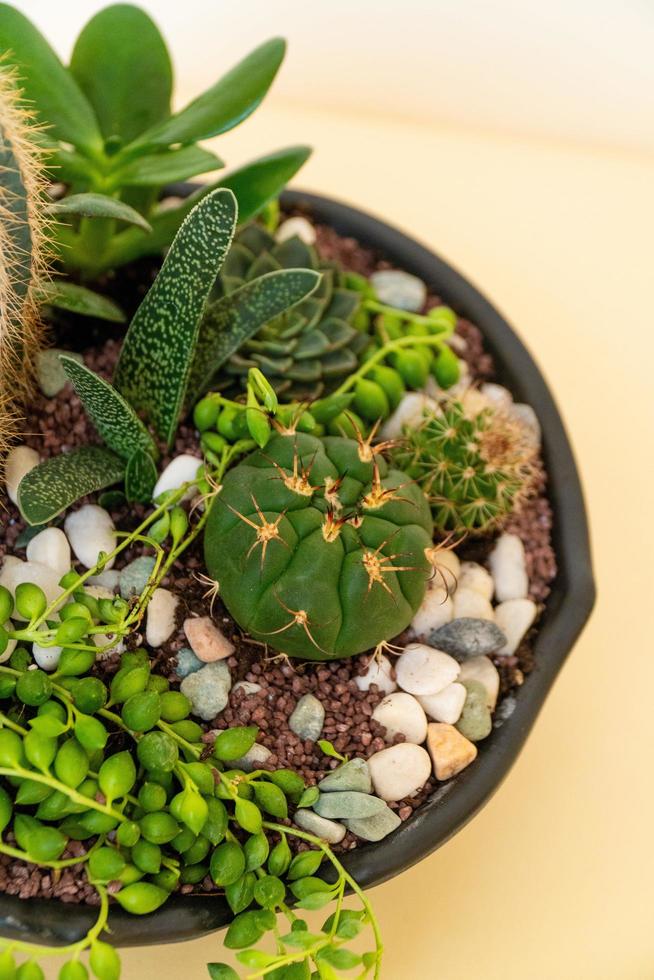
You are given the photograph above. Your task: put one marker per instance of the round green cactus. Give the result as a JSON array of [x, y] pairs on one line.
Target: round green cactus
[[318, 546]]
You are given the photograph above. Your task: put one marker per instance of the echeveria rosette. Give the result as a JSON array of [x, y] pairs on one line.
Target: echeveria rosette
[[319, 547]]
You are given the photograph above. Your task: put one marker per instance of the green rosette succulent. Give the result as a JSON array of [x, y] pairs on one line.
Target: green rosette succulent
[[308, 350], [318, 546]]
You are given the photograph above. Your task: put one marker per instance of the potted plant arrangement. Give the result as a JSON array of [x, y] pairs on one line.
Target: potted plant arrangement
[[276, 547]]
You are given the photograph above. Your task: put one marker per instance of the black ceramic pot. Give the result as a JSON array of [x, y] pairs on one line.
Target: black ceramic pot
[[568, 608]]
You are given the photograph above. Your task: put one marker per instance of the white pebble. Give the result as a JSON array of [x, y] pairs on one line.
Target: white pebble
[[498, 396], [435, 610], [20, 460], [14, 571], [470, 604], [399, 771], [401, 714], [296, 227], [473, 402], [91, 530], [11, 644], [182, 469], [482, 669], [46, 658], [104, 643], [424, 670], [50, 547], [380, 672], [161, 618], [529, 421], [514, 617], [508, 568], [410, 411], [447, 705], [330, 831], [108, 579], [447, 568], [248, 687], [253, 759], [475, 577]]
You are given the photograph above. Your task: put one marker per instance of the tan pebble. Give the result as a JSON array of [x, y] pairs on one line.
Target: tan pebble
[[468, 603], [475, 577], [447, 568], [450, 751], [206, 640], [436, 609], [20, 460]]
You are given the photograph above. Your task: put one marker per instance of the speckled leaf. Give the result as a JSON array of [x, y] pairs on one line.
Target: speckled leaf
[[140, 477], [55, 484], [232, 320], [115, 420], [155, 361]]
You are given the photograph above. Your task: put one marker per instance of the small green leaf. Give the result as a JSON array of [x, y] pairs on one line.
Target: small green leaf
[[221, 971], [78, 299], [246, 929], [327, 748], [167, 167], [232, 320], [309, 797], [226, 104], [240, 894], [58, 482], [271, 799], [141, 898], [59, 102], [227, 863], [306, 863], [121, 63], [248, 816], [315, 900], [140, 477], [160, 341], [112, 416], [234, 742], [98, 206]]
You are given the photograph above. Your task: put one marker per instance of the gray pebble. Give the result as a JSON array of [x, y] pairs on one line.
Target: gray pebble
[[187, 662], [468, 637], [337, 805], [377, 827], [208, 689], [50, 374], [253, 758], [399, 289], [327, 830], [475, 722], [133, 577], [308, 718], [353, 775]]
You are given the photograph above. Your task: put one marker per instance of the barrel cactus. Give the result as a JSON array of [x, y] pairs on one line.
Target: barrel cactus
[[308, 350], [319, 546]]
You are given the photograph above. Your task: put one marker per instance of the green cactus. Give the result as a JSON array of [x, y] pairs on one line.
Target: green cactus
[[318, 546], [308, 350], [475, 466]]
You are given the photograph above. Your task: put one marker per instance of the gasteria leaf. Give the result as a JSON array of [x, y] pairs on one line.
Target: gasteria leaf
[[99, 206], [254, 185], [140, 477], [227, 103], [69, 296], [160, 341], [235, 318], [158, 169], [55, 484], [115, 420], [45, 82], [121, 63]]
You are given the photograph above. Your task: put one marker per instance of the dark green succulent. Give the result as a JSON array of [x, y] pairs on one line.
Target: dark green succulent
[[308, 350]]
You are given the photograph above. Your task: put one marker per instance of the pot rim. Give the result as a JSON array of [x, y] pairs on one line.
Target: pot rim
[[566, 611]]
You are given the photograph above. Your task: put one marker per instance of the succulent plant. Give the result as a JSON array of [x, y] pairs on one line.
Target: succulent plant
[[310, 349], [23, 252], [319, 546], [475, 466]]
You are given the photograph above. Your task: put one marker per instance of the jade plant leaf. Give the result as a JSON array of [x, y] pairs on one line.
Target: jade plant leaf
[[159, 169], [233, 319], [140, 477], [121, 63], [156, 358], [98, 206], [78, 299], [45, 82], [226, 104], [254, 185], [55, 484], [115, 420]]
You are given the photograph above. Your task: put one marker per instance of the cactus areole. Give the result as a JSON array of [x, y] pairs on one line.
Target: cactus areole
[[319, 547]]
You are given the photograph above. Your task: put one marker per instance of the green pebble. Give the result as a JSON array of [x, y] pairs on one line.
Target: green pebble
[[475, 722]]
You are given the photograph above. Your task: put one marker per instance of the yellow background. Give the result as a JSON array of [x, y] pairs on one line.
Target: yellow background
[[554, 879]]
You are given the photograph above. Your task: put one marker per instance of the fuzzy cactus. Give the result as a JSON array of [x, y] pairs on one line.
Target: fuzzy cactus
[[475, 465], [318, 546], [23, 251]]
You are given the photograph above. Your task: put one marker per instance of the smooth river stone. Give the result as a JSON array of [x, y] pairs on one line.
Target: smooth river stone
[[347, 804], [182, 469], [475, 722], [14, 572], [434, 611], [401, 714], [296, 227], [19, 461], [483, 670], [474, 576], [307, 718], [208, 689], [447, 705], [399, 289], [468, 637], [508, 567], [423, 670], [50, 374], [50, 547], [134, 577], [470, 604], [328, 830], [377, 827], [380, 672], [514, 617], [91, 530], [409, 412], [353, 775], [206, 640], [161, 617], [399, 771], [447, 568], [450, 751]]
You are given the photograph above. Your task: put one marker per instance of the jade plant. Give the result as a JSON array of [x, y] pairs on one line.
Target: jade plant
[[318, 546], [121, 768], [475, 466], [114, 143]]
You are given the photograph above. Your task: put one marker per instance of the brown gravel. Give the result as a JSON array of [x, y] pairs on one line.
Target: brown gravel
[[59, 424]]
